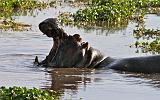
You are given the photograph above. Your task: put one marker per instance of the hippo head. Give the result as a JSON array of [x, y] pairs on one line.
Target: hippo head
[[72, 52], [68, 51], [50, 28]]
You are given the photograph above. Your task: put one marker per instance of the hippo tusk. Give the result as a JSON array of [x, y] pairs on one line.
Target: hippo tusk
[[36, 60]]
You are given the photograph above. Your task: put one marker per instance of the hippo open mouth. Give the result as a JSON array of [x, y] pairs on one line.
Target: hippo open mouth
[[49, 27], [67, 50]]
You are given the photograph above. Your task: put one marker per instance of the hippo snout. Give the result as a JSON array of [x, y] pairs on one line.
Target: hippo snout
[[49, 27]]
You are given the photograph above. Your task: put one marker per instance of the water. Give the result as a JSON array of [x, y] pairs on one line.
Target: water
[[18, 50]]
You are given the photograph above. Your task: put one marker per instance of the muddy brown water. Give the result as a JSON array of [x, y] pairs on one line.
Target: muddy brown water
[[18, 50]]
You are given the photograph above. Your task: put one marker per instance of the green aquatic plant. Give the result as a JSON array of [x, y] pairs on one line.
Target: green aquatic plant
[[23, 93], [10, 8], [113, 11], [151, 39], [14, 26], [66, 18], [146, 33], [146, 46], [110, 10], [138, 3], [106, 11]]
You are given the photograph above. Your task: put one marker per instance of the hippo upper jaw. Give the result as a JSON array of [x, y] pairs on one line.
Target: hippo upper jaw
[[49, 27]]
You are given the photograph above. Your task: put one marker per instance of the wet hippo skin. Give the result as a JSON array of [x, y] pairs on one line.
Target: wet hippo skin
[[50, 28], [71, 52]]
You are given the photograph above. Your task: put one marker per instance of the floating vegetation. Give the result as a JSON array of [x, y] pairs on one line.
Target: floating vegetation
[[14, 26], [151, 47], [66, 18], [106, 11], [155, 10], [11, 8], [151, 39], [115, 12], [23, 93], [146, 33]]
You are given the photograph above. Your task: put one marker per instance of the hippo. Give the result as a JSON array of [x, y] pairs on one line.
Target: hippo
[[69, 51]]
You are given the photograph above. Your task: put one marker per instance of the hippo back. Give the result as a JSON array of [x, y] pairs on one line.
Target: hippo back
[[149, 64]]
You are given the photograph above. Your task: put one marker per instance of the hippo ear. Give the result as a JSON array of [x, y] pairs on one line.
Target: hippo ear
[[77, 37], [85, 46]]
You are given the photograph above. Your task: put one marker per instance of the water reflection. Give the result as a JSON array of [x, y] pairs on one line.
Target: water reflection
[[69, 78], [104, 27], [75, 79]]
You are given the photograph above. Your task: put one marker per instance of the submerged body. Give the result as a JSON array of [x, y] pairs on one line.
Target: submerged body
[[146, 64], [70, 51]]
